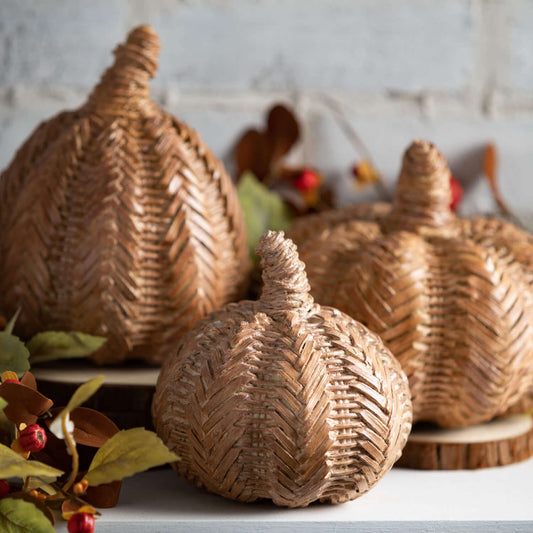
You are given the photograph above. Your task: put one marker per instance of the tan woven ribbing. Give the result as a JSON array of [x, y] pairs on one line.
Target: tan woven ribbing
[[270, 399], [117, 220], [454, 302]]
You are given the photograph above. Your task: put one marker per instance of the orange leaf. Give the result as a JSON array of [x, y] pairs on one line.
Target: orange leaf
[[490, 163], [365, 173]]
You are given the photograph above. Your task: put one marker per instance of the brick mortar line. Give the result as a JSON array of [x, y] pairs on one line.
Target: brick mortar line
[[508, 102]]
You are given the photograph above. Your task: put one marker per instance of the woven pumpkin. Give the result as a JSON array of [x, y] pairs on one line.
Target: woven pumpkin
[[452, 298], [117, 220], [281, 398]]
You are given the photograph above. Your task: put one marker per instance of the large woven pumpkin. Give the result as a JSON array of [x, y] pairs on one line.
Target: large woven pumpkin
[[117, 220], [281, 398], [452, 298]]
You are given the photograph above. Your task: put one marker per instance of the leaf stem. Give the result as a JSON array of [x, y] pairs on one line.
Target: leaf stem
[[71, 445]]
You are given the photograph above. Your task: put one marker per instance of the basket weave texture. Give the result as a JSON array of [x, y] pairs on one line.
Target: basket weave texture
[[117, 220], [452, 298], [283, 399]]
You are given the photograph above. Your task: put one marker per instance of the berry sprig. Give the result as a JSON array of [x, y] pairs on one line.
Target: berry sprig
[[32, 448]]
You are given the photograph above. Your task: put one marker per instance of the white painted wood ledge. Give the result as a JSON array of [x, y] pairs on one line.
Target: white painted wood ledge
[[495, 499]]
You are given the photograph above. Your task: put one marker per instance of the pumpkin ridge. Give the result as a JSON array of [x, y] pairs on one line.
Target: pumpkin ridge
[[229, 215], [26, 158], [200, 369], [511, 359], [363, 402], [27, 269], [102, 232]]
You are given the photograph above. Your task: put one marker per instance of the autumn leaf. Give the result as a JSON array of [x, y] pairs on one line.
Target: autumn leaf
[[365, 173], [11, 324], [13, 354], [81, 395], [52, 345], [19, 516], [263, 210], [490, 163], [260, 150], [283, 131], [126, 453], [25, 404], [14, 465]]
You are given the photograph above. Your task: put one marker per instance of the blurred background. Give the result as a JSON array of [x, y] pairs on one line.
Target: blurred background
[[459, 73]]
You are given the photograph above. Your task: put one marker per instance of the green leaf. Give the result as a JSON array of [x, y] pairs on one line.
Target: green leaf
[[51, 345], [3, 404], [81, 395], [13, 354], [126, 453], [14, 465], [11, 324], [19, 516], [263, 210]]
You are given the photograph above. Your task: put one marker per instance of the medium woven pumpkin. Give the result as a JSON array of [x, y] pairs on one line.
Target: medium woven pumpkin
[[452, 298], [281, 398], [117, 220]]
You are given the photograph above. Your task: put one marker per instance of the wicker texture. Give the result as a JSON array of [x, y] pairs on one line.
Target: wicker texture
[[283, 399], [117, 220], [452, 298]]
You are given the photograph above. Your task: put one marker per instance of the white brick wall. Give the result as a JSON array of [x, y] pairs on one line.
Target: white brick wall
[[457, 72]]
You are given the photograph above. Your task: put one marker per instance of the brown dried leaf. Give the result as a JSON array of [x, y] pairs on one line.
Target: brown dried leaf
[[25, 404], [92, 428], [283, 131], [253, 153], [490, 163], [28, 379], [104, 496]]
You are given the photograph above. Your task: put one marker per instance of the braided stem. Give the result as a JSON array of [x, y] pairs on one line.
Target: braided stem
[[423, 193], [285, 284], [126, 82]]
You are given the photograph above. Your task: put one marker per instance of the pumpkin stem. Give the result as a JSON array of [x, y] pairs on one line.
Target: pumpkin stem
[[285, 284], [127, 80], [423, 193]]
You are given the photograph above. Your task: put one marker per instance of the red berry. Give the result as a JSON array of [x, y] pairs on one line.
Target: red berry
[[32, 438], [81, 523], [4, 488], [307, 180], [457, 193]]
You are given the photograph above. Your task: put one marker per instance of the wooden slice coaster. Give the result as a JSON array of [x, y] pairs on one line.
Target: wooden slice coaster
[[125, 396], [496, 443]]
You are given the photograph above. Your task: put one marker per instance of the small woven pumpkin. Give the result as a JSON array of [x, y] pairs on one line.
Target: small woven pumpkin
[[281, 398], [452, 298], [117, 220]]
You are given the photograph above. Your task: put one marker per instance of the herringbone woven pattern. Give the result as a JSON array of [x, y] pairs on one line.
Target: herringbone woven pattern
[[281, 398], [452, 298], [117, 220]]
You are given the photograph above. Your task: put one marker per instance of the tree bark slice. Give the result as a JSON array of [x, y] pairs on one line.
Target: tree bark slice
[[125, 396], [499, 442]]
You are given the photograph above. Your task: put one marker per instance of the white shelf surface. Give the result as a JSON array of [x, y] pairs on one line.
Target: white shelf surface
[[495, 499]]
